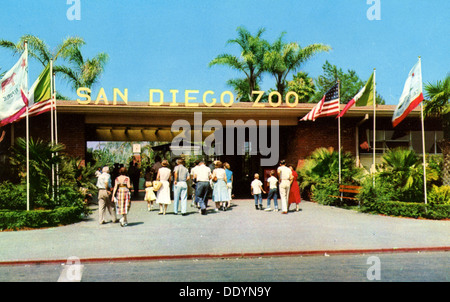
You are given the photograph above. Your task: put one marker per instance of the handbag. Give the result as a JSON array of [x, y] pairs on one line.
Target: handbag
[[156, 185]]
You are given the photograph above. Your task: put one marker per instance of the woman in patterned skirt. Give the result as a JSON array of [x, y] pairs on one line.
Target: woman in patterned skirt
[[122, 193]]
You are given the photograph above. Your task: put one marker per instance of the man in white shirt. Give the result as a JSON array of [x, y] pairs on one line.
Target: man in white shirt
[[202, 174], [104, 192], [257, 189], [285, 176]]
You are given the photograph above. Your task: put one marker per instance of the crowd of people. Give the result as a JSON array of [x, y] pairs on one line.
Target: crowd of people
[[215, 182]]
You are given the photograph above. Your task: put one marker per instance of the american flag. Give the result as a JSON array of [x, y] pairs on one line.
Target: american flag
[[328, 105]]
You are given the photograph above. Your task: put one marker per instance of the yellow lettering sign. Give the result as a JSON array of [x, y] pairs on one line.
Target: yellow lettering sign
[[187, 98], [123, 96], [82, 95], [161, 97]]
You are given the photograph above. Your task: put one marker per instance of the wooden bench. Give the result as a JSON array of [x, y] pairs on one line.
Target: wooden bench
[[348, 189]]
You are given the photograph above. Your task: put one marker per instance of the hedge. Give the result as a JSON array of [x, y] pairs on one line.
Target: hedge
[[408, 209], [39, 218]]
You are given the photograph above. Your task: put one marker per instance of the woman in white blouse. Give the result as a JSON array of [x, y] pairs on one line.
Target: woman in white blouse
[[163, 194]]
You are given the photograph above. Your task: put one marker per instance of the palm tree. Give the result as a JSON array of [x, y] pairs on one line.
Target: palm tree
[[241, 87], [282, 58], [39, 50], [83, 72], [250, 62], [438, 105]]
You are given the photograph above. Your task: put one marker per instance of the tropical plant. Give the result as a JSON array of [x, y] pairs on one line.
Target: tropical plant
[[82, 72], [250, 61], [439, 195], [402, 169], [281, 58], [320, 173], [39, 50], [438, 105], [43, 157], [242, 88]]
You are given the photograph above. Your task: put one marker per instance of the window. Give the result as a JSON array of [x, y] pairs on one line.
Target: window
[[389, 139]]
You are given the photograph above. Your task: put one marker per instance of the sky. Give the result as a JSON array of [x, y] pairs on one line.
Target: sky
[[167, 44]]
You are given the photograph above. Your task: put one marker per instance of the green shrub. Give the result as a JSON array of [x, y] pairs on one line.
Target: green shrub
[[322, 191], [407, 209], [39, 218], [439, 195], [13, 197]]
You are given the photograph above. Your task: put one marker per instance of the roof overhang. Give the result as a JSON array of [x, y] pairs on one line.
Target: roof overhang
[[141, 113]]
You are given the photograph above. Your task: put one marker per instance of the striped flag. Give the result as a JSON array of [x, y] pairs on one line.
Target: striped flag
[[411, 96], [363, 98], [39, 97], [328, 105]]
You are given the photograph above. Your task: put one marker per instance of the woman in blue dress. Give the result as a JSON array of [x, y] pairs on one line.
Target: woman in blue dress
[[220, 191]]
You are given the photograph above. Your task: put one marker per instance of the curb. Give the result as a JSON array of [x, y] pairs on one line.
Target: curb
[[231, 255]]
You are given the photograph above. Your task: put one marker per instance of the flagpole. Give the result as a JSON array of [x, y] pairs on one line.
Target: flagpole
[[28, 138], [423, 139], [56, 129], [51, 127], [339, 130], [374, 122], [56, 115]]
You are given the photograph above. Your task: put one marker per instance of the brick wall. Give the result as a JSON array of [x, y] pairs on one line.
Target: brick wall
[[308, 136], [71, 131]]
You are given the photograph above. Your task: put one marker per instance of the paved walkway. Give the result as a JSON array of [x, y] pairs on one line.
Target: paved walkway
[[241, 231]]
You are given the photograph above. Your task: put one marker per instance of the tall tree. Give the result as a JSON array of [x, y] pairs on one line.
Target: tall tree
[[82, 72], [437, 104], [303, 85], [282, 58], [39, 50], [350, 83], [250, 62]]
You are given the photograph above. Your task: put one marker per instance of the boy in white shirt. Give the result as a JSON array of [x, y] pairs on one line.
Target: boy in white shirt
[[273, 191], [256, 188]]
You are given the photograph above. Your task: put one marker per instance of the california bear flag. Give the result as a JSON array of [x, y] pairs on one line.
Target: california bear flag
[[13, 84], [412, 95]]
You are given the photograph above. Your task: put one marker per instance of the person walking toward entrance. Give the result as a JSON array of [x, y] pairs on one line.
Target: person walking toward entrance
[[194, 185], [285, 176], [202, 174], [104, 200], [122, 193], [273, 191], [163, 195], [229, 174], [257, 190], [220, 191], [181, 176], [294, 192]]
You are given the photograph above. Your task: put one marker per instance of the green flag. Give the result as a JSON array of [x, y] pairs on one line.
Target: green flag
[[363, 98], [40, 91]]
